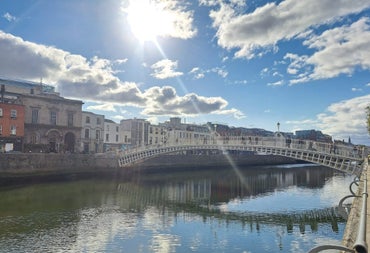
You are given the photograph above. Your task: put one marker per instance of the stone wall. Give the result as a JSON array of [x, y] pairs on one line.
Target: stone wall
[[34, 163], [24, 163]]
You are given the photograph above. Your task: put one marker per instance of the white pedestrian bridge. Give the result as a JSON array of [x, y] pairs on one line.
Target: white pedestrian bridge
[[345, 158]]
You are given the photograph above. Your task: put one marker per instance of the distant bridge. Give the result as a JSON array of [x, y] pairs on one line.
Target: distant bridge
[[345, 158]]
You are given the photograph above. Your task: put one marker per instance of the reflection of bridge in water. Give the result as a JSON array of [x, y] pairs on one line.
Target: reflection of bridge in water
[[203, 197], [345, 158], [304, 220]]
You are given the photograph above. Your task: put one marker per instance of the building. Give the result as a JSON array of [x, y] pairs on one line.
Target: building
[[112, 136], [11, 122], [92, 134], [313, 135], [157, 135], [25, 87], [52, 123], [138, 130]]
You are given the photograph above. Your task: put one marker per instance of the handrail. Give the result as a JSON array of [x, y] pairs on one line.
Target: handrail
[[341, 209], [339, 160], [360, 245]]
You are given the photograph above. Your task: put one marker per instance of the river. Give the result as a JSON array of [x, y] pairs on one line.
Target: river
[[285, 208]]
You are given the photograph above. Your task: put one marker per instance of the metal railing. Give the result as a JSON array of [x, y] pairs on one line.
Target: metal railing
[[345, 158], [360, 245]]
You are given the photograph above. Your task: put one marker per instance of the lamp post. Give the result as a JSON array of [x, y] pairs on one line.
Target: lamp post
[[278, 126]]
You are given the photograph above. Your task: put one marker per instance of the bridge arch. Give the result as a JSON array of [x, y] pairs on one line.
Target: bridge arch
[[342, 158]]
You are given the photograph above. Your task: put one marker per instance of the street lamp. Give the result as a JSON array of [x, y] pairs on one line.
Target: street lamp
[[278, 126]]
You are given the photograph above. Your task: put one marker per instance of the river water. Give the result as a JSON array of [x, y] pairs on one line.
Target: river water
[[286, 208]]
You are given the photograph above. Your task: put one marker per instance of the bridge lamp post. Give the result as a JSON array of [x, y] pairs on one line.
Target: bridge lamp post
[[278, 126], [215, 134]]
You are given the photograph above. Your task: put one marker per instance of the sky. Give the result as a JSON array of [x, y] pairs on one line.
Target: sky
[[302, 64]]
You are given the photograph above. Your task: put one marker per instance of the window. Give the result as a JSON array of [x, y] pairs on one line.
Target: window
[[117, 129], [87, 120], [13, 113], [1, 129], [70, 119], [116, 137], [13, 130], [87, 133], [35, 116], [53, 117], [107, 127], [1, 112], [97, 134], [107, 137], [33, 139], [98, 121]]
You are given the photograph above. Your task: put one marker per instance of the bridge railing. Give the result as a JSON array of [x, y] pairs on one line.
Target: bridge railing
[[257, 141]]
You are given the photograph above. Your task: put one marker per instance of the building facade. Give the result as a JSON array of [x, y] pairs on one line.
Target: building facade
[[111, 136], [138, 129], [92, 134], [157, 135], [11, 122], [52, 123]]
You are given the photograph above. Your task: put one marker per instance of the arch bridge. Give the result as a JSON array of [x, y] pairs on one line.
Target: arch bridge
[[345, 158]]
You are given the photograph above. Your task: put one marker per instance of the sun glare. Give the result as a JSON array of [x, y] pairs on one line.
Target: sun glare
[[149, 19]]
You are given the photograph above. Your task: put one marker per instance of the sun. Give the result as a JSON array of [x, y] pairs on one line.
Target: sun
[[149, 19]]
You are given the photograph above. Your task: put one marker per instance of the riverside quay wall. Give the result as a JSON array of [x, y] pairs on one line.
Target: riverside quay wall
[[42, 163], [23, 164]]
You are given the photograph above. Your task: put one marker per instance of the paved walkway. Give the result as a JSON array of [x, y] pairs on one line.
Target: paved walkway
[[352, 227], [368, 206]]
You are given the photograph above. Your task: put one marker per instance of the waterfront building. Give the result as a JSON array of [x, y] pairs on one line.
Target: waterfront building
[[51, 123], [173, 123], [11, 122], [25, 87], [189, 136], [313, 135], [157, 135], [111, 136], [92, 134], [138, 130]]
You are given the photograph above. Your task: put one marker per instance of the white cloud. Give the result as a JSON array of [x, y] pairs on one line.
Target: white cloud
[[220, 71], [9, 17], [200, 73], [197, 73], [165, 101], [93, 80], [277, 83], [252, 34], [108, 107], [235, 112], [340, 50], [343, 119], [241, 82], [165, 69]]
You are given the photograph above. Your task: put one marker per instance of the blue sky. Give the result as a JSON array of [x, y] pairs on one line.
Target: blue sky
[[304, 64]]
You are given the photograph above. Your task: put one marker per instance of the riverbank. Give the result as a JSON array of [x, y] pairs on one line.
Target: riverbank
[[51, 166]]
